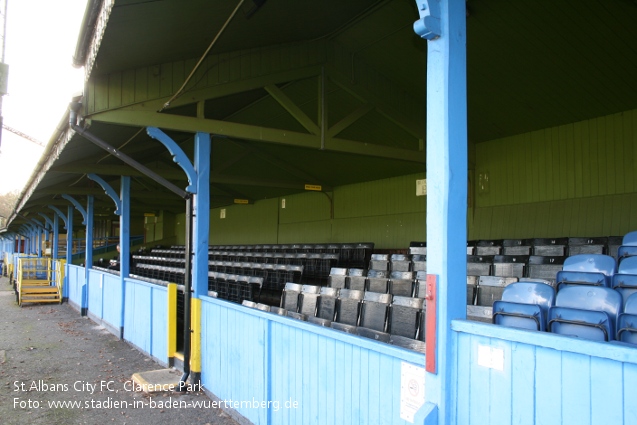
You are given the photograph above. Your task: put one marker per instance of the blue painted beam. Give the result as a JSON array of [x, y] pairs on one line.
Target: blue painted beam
[[109, 191], [443, 24], [178, 156], [77, 206], [47, 219], [59, 214]]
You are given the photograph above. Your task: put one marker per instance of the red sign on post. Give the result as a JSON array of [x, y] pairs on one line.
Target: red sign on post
[[430, 326]]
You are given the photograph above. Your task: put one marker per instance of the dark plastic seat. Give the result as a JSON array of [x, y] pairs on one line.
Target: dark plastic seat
[[326, 307], [356, 279], [290, 296], [595, 245], [308, 300], [379, 262], [405, 315], [545, 267], [337, 276], [377, 281], [419, 263], [490, 289], [347, 310], [400, 263], [524, 305], [588, 312], [627, 322], [488, 247], [373, 317], [418, 248], [550, 247], [586, 269], [516, 247], [479, 265], [401, 283], [510, 265]]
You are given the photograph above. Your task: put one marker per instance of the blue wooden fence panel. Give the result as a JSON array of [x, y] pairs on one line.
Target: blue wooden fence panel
[[146, 317], [76, 284], [112, 300], [544, 378], [334, 378], [95, 293]]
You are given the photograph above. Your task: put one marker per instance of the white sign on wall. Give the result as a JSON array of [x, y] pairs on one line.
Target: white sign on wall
[[412, 390]]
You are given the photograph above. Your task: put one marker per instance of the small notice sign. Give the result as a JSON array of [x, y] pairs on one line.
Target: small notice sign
[[412, 390], [315, 187], [491, 357]]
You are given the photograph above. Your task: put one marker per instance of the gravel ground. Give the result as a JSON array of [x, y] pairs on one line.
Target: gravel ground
[[50, 355]]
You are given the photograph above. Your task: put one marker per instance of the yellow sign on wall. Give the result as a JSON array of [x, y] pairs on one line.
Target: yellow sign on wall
[[315, 187]]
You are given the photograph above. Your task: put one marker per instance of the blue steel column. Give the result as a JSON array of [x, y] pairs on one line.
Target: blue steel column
[[446, 184], [69, 248], [201, 222], [88, 254], [56, 236], [124, 243]]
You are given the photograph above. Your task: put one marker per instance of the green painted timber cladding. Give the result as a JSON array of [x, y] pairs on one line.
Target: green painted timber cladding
[[572, 180]]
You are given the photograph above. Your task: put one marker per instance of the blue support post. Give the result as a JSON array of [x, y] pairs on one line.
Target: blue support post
[[443, 24], [201, 222], [69, 248], [124, 243], [88, 254], [56, 237]]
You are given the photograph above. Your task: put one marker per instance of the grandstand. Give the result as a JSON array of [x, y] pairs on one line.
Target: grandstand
[[386, 222]]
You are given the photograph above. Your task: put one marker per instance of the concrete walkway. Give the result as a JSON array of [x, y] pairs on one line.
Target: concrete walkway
[[57, 367]]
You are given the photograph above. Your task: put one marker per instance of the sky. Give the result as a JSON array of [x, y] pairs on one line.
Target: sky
[[40, 42]]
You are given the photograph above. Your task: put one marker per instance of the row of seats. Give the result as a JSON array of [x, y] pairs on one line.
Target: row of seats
[[589, 312], [406, 284], [349, 254], [552, 247], [392, 319]]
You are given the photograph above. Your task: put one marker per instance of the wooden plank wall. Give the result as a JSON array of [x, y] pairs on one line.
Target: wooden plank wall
[[334, 377], [76, 284], [577, 179], [545, 379], [146, 318], [95, 293]]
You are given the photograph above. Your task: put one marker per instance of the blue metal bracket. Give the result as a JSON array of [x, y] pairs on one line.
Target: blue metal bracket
[[47, 219], [60, 214], [178, 156], [428, 26], [109, 191], [77, 206], [37, 224]]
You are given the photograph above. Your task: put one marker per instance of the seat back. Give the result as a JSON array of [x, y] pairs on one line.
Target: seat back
[[419, 263], [374, 311], [587, 245], [405, 315], [550, 247], [356, 279], [379, 262], [625, 280], [510, 265], [479, 265], [308, 299], [326, 308], [400, 263], [586, 312], [587, 269], [490, 289], [336, 278], [377, 281], [516, 247], [627, 323], [489, 247], [401, 283], [545, 267], [348, 306], [524, 305], [418, 248], [290, 296]]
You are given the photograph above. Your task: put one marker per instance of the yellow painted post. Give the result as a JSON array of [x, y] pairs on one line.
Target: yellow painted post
[[195, 340], [172, 323]]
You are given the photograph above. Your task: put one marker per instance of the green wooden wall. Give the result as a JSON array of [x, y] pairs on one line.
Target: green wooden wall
[[577, 179], [572, 180]]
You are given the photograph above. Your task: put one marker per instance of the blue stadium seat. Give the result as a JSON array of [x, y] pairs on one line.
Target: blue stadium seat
[[588, 312], [628, 247], [524, 305], [587, 269], [627, 322], [625, 280]]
